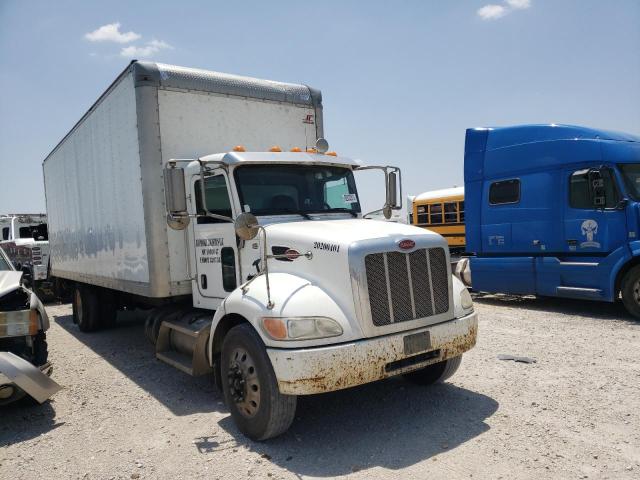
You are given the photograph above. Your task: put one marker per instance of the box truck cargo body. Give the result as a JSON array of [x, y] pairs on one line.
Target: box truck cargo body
[[104, 184], [213, 198]]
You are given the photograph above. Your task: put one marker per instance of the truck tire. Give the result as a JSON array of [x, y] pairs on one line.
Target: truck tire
[[250, 387], [40, 349], [436, 373], [630, 288], [86, 311]]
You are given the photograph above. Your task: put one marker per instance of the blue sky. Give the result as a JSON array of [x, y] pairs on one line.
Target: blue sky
[[401, 80]]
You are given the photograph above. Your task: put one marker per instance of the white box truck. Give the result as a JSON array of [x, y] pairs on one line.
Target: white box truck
[[256, 259]]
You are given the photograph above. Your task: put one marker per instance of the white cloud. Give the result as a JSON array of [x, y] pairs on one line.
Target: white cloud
[[111, 33], [519, 4], [146, 50], [492, 12]]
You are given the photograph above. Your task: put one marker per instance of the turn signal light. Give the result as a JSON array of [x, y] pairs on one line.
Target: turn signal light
[[239, 148], [275, 327], [275, 148]]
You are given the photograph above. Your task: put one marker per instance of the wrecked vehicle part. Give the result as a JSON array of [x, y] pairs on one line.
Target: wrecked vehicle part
[[23, 347], [17, 377]]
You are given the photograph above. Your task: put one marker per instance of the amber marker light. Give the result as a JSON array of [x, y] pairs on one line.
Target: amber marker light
[[239, 148], [296, 149], [275, 148], [275, 327]]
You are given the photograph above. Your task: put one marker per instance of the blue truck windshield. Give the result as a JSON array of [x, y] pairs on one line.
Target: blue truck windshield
[[301, 189], [631, 175]]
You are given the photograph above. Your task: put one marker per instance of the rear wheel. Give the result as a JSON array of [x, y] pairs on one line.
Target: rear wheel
[[250, 387], [436, 373], [86, 312], [631, 291]]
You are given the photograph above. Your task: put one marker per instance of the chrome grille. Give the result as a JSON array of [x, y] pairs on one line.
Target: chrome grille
[[407, 286]]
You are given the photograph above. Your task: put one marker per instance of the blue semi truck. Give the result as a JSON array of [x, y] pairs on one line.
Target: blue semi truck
[[554, 210]]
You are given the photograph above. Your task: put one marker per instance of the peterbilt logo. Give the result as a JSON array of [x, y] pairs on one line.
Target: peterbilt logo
[[406, 244], [589, 229]]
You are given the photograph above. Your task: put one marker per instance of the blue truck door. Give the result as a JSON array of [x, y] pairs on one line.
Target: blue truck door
[[594, 236]]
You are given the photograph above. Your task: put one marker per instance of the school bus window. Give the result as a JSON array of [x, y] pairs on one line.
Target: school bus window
[[435, 213], [422, 214], [461, 210], [451, 212]]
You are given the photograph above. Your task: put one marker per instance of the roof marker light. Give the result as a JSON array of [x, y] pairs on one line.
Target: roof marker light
[[296, 149], [239, 148], [275, 148], [312, 150], [333, 154]]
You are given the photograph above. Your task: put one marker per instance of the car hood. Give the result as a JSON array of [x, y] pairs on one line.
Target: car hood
[[9, 281]]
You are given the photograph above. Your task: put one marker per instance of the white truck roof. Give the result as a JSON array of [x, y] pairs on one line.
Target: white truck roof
[[239, 158]]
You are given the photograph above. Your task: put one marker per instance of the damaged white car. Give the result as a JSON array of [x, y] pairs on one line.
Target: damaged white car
[[24, 365]]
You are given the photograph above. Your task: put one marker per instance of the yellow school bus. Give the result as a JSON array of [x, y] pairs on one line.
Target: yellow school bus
[[441, 211]]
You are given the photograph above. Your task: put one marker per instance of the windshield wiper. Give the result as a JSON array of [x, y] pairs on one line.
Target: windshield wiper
[[339, 210]]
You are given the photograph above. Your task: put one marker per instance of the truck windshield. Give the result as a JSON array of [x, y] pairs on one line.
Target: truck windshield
[[301, 189], [631, 175]]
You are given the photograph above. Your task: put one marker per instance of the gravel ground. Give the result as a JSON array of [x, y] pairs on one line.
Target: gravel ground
[[573, 414]]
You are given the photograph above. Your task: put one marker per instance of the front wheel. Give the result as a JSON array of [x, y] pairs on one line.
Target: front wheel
[[250, 387], [436, 373], [631, 291]]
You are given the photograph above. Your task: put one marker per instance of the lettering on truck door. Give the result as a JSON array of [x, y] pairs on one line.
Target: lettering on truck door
[[215, 247]]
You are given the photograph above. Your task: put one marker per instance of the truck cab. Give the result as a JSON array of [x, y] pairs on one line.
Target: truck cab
[[553, 210], [25, 240]]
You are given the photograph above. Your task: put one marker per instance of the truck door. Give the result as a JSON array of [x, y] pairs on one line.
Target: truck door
[[592, 222], [595, 231], [214, 240]]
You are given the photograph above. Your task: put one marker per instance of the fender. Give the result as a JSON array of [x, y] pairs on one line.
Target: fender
[[622, 264], [292, 296]]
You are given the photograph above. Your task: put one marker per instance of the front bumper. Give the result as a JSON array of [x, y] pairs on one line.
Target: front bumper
[[18, 323], [324, 369]]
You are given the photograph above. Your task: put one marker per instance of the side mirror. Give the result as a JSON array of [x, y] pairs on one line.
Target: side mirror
[[392, 195], [246, 225], [596, 188], [175, 198]]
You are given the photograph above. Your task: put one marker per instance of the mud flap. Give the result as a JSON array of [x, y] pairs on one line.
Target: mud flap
[[29, 378]]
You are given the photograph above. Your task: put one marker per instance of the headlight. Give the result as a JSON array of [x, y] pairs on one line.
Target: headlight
[[300, 328], [465, 299]]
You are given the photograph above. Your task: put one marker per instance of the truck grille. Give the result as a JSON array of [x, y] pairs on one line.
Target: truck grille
[[407, 286]]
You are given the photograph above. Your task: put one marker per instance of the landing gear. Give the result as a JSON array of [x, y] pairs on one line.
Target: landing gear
[[250, 387]]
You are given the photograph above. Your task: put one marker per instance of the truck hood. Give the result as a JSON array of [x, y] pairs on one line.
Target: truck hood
[[334, 253], [344, 232], [9, 281]]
